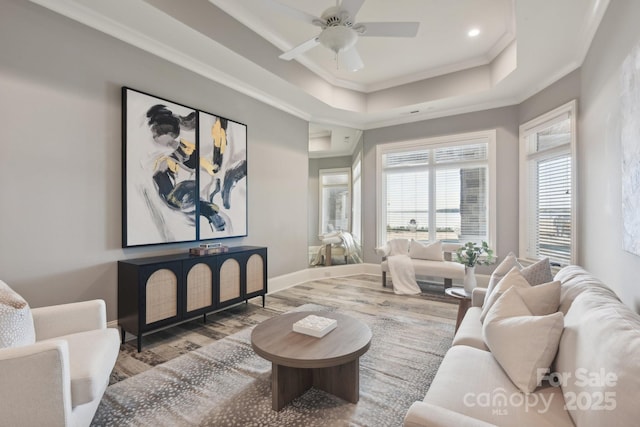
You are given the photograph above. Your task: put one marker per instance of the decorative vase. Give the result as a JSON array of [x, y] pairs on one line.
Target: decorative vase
[[469, 278]]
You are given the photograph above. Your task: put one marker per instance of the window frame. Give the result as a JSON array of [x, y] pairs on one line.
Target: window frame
[[432, 143], [541, 122], [333, 171], [356, 205]]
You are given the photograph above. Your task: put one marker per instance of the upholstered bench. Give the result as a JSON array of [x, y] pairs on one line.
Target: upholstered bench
[[433, 260]]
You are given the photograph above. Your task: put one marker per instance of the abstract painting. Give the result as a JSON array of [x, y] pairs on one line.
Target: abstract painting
[[630, 150], [223, 172], [171, 190]]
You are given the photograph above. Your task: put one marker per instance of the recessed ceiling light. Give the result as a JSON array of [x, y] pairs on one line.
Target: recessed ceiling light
[[474, 32]]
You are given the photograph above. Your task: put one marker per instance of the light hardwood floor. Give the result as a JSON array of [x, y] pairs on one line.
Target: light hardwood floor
[[362, 293]]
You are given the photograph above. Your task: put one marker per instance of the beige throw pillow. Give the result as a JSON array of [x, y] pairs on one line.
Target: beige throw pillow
[[432, 252], [512, 278], [16, 322], [500, 271], [523, 344], [537, 273], [398, 247], [541, 299]]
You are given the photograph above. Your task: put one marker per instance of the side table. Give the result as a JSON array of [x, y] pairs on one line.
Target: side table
[[464, 302]]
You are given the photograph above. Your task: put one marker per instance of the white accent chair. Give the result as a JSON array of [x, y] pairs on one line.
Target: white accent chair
[[59, 379]]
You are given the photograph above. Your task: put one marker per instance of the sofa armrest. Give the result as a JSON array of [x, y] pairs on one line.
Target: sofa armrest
[[36, 388], [477, 297], [64, 319], [422, 414]]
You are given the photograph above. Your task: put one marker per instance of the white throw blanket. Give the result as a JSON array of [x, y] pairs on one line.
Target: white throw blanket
[[403, 275]]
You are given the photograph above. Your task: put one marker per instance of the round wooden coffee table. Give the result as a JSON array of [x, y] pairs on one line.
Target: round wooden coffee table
[[299, 361]]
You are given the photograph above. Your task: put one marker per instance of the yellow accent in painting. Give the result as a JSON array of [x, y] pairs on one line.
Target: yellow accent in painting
[[207, 165], [219, 136], [188, 147]]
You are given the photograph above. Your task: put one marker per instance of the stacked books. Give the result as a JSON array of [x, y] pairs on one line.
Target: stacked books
[[315, 326], [209, 249]]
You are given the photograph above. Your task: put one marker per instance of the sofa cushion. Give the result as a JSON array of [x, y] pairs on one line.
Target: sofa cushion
[[500, 271], [522, 343], [92, 355], [471, 382], [538, 272], [447, 269], [598, 354], [432, 251], [470, 330], [16, 322]]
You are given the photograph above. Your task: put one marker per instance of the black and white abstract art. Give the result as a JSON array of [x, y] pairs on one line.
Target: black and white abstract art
[[223, 173], [182, 181]]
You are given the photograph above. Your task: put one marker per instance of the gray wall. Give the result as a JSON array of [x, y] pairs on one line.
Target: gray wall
[[504, 120], [314, 192], [599, 157], [60, 174], [596, 85]]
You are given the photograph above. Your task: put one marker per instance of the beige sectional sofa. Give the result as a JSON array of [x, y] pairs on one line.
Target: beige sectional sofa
[[594, 379]]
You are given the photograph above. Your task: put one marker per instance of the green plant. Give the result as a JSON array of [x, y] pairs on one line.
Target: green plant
[[471, 254]]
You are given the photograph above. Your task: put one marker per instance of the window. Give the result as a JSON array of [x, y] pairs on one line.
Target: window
[[335, 200], [547, 186], [356, 209], [438, 189]]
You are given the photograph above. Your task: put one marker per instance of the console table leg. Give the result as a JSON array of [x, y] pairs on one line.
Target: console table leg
[[122, 333], [263, 298], [139, 342]]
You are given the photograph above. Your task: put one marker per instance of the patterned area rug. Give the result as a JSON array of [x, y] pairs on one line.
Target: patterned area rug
[[226, 384]]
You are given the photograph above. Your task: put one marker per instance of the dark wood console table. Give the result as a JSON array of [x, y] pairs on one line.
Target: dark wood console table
[[159, 291]]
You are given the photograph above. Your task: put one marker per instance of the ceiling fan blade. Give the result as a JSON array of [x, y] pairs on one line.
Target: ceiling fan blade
[[352, 6], [292, 12], [300, 49], [390, 29], [350, 59]]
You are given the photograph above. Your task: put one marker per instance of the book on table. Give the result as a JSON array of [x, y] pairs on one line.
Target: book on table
[[315, 326], [208, 251]]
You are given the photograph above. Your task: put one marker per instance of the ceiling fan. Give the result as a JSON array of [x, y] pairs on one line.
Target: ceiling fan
[[340, 31]]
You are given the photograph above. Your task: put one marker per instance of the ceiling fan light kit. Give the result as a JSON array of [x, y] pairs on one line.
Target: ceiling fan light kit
[[338, 38], [340, 32]]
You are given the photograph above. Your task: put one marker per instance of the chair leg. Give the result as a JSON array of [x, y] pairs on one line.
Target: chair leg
[[384, 279]]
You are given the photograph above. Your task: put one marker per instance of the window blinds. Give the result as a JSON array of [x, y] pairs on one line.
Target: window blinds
[[444, 189], [549, 230]]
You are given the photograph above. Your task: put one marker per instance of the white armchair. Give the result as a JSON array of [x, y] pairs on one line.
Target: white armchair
[[59, 379]]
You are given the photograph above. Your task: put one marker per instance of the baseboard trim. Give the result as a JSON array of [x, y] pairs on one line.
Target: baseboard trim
[[112, 324], [285, 281]]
